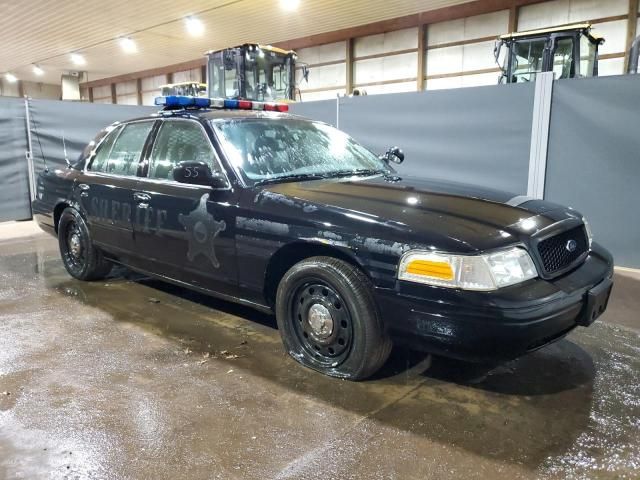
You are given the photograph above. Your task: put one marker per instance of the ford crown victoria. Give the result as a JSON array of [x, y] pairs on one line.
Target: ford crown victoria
[[294, 217]]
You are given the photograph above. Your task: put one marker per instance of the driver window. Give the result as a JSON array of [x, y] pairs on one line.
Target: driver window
[[179, 141], [563, 59]]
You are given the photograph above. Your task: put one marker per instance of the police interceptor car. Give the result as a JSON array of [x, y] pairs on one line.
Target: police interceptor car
[[246, 202]]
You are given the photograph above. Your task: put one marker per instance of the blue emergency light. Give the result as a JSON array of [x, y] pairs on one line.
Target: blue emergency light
[[180, 101]]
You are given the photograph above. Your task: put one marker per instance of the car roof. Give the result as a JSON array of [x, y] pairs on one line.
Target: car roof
[[216, 114]]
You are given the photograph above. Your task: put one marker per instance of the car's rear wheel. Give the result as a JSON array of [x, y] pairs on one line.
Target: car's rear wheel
[[328, 319], [82, 259]]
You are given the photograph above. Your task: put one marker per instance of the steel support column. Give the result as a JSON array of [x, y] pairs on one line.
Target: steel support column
[[540, 134]]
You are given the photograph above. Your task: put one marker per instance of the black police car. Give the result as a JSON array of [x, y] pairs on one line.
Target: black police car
[[292, 216]]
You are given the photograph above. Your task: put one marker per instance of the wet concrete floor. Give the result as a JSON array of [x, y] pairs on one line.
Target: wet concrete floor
[[133, 378]]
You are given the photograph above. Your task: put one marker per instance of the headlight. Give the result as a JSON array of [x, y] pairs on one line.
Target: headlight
[[587, 228], [489, 271]]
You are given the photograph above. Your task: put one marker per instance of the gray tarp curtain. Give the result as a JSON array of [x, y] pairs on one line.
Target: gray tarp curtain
[[322, 110], [77, 122], [473, 135], [14, 176], [594, 158]]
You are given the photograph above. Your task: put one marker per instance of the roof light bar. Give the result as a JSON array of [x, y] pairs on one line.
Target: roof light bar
[[179, 101]]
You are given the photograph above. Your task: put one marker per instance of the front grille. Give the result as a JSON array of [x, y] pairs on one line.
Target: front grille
[[555, 255]]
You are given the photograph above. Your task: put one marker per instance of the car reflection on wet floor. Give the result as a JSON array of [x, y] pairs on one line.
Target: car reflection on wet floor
[[131, 377]]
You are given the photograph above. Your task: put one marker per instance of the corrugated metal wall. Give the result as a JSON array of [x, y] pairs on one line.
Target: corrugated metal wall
[[460, 52], [386, 62], [329, 71]]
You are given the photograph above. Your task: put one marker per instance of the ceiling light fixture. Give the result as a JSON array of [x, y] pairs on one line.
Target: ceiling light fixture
[[194, 26], [37, 70], [11, 78], [128, 45], [289, 5], [77, 59]]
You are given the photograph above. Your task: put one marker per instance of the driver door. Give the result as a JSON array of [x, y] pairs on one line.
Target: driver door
[[185, 231]]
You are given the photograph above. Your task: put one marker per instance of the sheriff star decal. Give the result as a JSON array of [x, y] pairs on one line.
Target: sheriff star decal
[[202, 229]]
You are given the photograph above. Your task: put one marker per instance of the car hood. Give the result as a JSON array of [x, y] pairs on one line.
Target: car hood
[[435, 214]]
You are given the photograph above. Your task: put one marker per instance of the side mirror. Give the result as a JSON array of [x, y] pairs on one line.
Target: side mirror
[[198, 173], [394, 154]]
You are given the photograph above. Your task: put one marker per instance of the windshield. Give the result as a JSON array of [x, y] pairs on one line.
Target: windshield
[[527, 57], [265, 150]]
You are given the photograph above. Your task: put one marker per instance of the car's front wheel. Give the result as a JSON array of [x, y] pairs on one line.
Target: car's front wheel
[[82, 259], [328, 319]]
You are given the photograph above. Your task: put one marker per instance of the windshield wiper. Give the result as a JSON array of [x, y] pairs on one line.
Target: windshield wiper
[[357, 171], [290, 178], [317, 176]]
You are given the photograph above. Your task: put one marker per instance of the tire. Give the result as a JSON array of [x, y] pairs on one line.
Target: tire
[[328, 319], [82, 259]]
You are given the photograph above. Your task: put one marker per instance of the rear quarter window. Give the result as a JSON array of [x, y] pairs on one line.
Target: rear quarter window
[[102, 154]]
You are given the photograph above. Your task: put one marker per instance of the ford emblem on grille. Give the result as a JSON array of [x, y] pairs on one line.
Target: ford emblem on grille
[[571, 245]]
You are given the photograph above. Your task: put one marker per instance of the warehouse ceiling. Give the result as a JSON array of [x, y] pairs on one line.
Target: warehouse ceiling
[[46, 33]]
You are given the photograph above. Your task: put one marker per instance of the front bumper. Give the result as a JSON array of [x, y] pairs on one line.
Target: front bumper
[[499, 325]]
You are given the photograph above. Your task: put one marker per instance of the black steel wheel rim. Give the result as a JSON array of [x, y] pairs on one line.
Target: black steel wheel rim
[[327, 341], [75, 247]]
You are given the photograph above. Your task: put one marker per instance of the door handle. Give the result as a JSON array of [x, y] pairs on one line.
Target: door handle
[[141, 197], [84, 189]]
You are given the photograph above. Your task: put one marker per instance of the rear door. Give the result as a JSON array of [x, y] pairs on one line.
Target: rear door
[[105, 188], [185, 231]]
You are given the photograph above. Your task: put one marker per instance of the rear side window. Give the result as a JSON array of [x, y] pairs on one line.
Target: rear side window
[[98, 163], [119, 154], [179, 141]]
